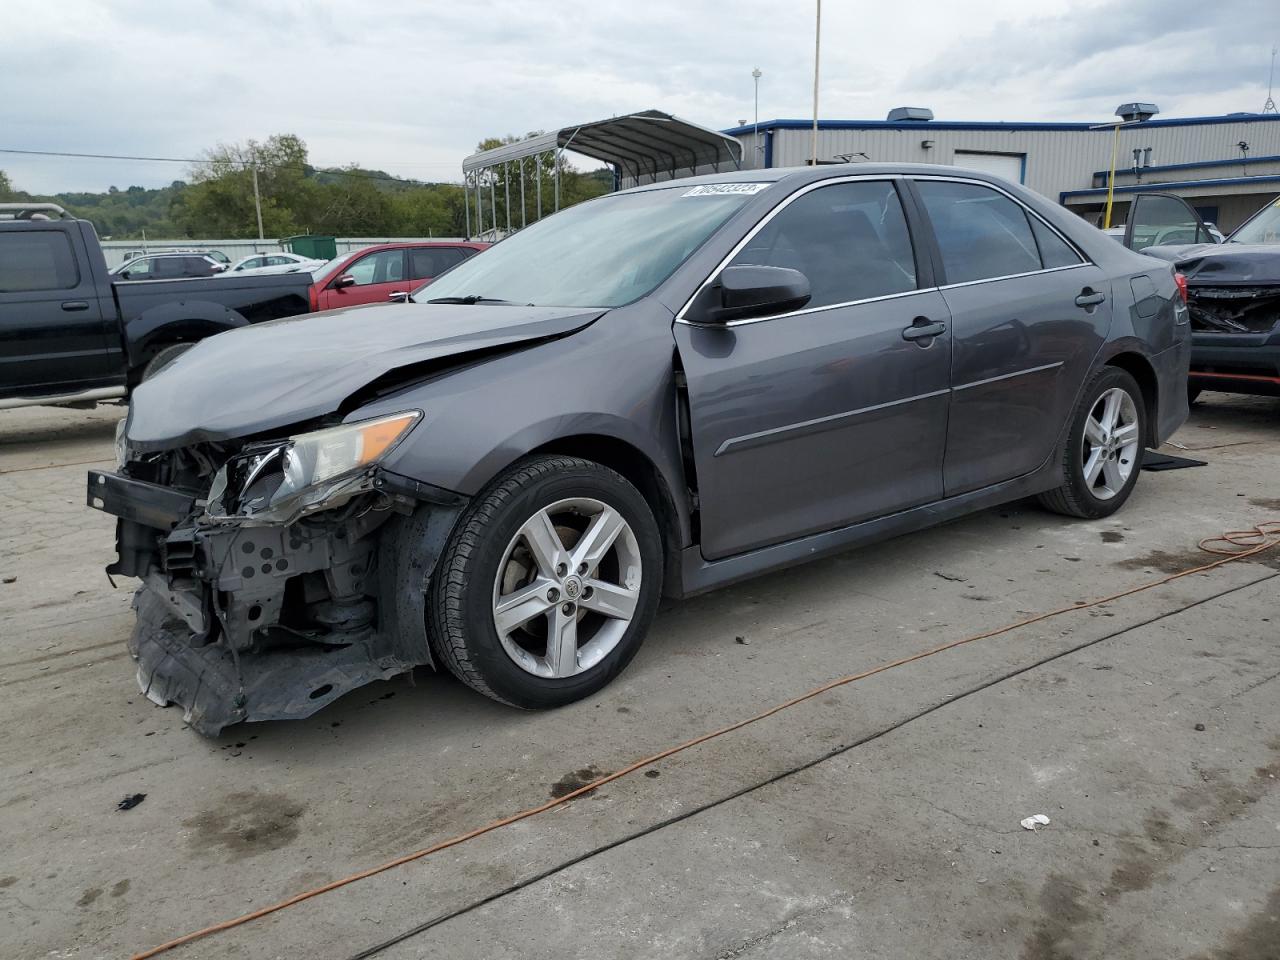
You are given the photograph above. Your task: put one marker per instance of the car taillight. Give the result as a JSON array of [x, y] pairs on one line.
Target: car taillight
[[1181, 281], [315, 297]]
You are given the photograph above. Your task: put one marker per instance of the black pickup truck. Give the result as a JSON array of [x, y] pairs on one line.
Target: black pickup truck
[[70, 335]]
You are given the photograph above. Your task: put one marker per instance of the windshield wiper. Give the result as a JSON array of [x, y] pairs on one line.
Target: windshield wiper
[[470, 300]]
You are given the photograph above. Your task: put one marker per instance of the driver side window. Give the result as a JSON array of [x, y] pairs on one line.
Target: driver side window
[[849, 239], [385, 266]]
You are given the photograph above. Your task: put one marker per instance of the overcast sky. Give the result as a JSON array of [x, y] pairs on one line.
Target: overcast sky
[[410, 86]]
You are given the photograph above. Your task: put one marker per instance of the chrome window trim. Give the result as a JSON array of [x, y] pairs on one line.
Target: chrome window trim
[[1009, 376], [892, 179], [749, 440]]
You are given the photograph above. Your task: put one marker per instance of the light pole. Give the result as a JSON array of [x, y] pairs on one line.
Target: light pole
[[755, 133], [817, 44], [1130, 114]]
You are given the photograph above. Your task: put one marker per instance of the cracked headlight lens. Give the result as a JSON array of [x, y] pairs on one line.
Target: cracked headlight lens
[[309, 472]]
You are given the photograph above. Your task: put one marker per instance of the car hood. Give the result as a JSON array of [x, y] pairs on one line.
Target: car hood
[[1228, 264], [288, 371]]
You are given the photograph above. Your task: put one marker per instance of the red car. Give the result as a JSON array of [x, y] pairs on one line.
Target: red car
[[373, 274]]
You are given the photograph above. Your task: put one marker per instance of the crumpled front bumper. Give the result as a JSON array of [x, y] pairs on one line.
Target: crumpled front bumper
[[271, 622], [217, 688]]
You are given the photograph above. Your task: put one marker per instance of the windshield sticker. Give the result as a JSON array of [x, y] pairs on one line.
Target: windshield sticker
[[720, 189]]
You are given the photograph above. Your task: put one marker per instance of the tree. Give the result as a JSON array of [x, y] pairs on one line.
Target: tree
[[220, 200], [6, 187]]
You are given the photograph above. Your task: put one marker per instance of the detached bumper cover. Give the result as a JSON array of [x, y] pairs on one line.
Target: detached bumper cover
[[215, 691]]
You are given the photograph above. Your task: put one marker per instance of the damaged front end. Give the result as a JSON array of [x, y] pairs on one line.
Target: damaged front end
[[1234, 309], [277, 574]]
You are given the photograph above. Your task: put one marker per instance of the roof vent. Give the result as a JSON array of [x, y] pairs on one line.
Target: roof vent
[[1135, 112], [909, 113]]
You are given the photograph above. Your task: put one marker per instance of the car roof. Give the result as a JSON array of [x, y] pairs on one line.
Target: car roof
[[824, 171]]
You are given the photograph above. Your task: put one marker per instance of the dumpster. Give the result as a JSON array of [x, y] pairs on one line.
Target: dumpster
[[312, 245]]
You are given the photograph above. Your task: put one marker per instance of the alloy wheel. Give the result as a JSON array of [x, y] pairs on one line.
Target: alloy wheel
[[1109, 447], [567, 587]]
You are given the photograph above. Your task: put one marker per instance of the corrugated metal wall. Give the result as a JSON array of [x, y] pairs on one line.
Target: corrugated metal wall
[[1057, 160]]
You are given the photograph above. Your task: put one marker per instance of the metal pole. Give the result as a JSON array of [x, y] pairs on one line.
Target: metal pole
[[506, 186], [257, 199], [493, 201], [817, 44], [524, 213], [479, 206], [755, 133], [466, 203], [556, 155], [537, 172], [1111, 177]]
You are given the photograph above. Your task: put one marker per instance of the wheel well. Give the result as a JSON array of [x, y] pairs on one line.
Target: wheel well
[[1141, 370], [640, 471]]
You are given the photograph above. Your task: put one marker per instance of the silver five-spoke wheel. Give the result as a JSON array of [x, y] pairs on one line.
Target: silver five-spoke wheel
[[567, 588], [1109, 445]]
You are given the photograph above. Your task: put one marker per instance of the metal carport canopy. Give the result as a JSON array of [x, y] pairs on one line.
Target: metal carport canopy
[[644, 144]]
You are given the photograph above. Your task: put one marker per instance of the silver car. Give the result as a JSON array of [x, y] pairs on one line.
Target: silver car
[[660, 391]]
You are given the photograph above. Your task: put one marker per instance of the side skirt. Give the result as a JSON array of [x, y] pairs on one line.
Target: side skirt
[[699, 575]]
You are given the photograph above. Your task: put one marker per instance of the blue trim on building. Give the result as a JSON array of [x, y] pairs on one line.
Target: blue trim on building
[[1174, 185], [1193, 165], [770, 125]]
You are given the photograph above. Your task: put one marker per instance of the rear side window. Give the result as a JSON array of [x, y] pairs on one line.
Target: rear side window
[[1054, 251], [428, 262], [168, 268], [981, 233], [849, 239], [37, 260]]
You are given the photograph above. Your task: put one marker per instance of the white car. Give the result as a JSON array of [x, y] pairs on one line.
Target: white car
[[260, 263]]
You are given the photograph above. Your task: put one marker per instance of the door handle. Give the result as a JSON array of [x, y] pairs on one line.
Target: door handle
[[922, 328], [73, 305], [1089, 298]]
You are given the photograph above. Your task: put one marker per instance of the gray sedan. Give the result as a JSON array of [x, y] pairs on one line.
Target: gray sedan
[[660, 391]]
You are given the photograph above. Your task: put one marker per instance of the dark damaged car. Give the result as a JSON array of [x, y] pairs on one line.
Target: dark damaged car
[[657, 392], [1233, 291]]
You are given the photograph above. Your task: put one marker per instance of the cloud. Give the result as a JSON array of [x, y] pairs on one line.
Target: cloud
[[411, 86]]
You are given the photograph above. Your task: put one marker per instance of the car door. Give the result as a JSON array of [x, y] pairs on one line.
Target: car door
[[377, 275], [1161, 218], [1028, 315], [833, 413], [53, 333]]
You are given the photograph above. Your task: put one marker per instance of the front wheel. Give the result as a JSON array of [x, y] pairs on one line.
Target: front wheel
[[549, 584], [1103, 452]]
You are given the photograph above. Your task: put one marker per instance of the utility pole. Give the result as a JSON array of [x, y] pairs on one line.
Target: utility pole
[[257, 199], [817, 44]]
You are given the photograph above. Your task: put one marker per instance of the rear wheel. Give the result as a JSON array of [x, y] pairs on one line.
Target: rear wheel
[[1103, 452], [549, 584]]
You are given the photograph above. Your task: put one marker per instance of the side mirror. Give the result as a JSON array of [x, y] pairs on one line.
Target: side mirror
[[399, 296], [344, 281], [752, 291]]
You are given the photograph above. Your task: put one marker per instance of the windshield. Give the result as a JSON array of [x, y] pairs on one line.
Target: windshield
[[603, 253], [1263, 228]]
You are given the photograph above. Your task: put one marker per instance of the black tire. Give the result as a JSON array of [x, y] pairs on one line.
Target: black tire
[[460, 606], [163, 357], [1074, 498]]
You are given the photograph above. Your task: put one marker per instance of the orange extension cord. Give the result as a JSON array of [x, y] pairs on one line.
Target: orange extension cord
[[1232, 545]]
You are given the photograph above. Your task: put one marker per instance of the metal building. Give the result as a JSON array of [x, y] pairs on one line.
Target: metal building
[[1226, 167]]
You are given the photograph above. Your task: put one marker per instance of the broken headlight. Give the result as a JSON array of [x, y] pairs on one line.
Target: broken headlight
[[277, 483]]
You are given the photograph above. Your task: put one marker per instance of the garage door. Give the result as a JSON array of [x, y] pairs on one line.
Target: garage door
[[1007, 165]]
